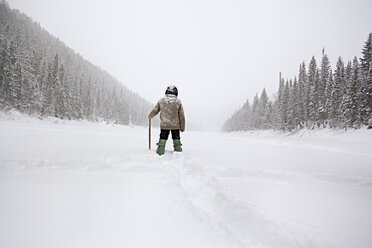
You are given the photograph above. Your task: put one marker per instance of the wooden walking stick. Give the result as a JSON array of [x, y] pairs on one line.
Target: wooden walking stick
[[149, 134]]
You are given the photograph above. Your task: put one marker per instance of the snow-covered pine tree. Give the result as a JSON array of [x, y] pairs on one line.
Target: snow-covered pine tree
[[80, 98], [313, 90], [58, 99], [76, 102], [246, 113], [86, 98], [37, 75], [325, 70], [295, 103], [256, 112], [368, 98], [366, 59], [329, 90], [25, 57], [337, 94], [285, 107], [262, 109], [14, 79], [280, 103], [290, 107], [48, 92], [302, 82], [366, 87], [15, 86], [355, 95], [347, 99], [43, 86], [60, 93], [269, 116], [99, 102], [275, 113]]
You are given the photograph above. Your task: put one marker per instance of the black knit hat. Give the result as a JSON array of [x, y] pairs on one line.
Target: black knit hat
[[172, 90]]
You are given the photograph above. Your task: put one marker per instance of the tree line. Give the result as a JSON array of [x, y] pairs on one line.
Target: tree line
[[40, 75], [318, 97]]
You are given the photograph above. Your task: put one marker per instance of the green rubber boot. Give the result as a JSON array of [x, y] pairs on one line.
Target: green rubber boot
[[161, 146], [177, 145]]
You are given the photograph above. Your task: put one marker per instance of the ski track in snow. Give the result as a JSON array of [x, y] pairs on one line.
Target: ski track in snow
[[222, 191]]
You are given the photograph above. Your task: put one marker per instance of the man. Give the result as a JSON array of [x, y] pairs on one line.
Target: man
[[172, 119]]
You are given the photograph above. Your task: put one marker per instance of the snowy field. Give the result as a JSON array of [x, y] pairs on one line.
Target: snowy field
[[67, 184]]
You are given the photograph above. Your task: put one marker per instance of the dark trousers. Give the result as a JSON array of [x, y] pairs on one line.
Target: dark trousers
[[164, 133]]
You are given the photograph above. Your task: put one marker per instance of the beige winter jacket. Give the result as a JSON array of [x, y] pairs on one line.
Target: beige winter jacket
[[171, 113]]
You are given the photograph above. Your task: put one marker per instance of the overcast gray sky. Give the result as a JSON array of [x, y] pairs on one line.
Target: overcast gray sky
[[217, 52]]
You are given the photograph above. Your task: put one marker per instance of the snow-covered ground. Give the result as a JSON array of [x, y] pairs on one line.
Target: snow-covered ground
[[80, 184]]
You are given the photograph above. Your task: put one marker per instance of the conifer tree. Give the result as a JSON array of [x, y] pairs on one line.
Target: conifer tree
[[367, 98], [302, 82], [262, 108], [280, 103], [329, 92], [366, 87], [347, 99], [353, 94], [366, 60], [57, 89], [256, 111], [14, 80], [295, 104], [290, 108], [285, 109], [268, 116], [313, 91], [337, 94], [15, 87], [357, 93], [323, 83]]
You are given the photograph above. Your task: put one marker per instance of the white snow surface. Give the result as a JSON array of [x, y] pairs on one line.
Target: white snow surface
[[81, 184]]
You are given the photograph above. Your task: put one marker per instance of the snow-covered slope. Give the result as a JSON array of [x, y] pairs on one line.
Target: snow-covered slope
[[80, 184]]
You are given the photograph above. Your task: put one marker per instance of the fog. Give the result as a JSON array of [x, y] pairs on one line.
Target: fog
[[218, 53]]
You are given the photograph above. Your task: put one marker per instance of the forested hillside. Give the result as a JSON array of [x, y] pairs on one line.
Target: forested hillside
[[317, 98], [40, 75]]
